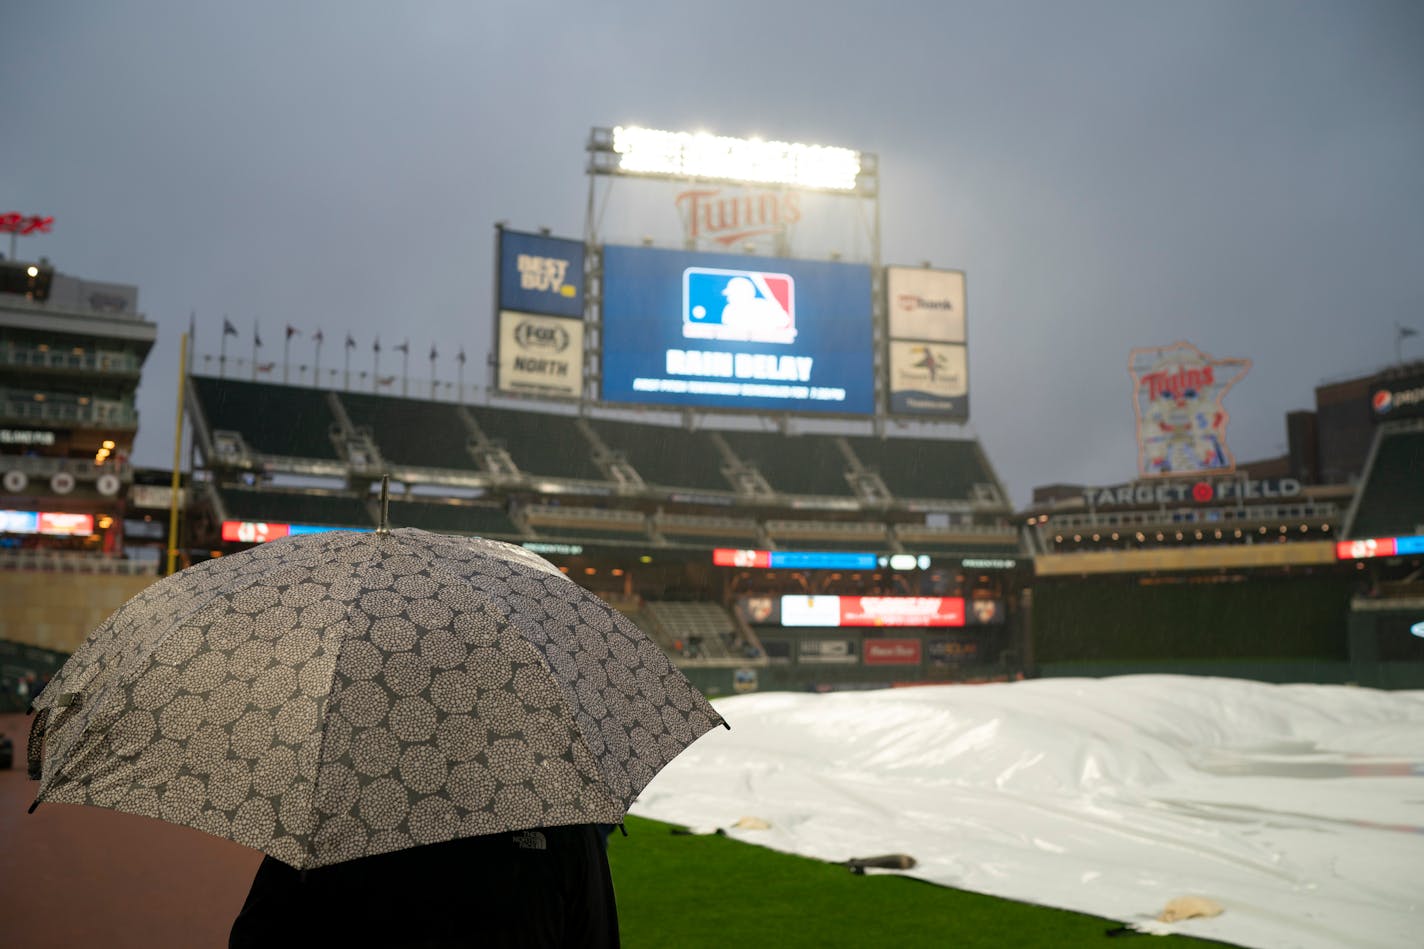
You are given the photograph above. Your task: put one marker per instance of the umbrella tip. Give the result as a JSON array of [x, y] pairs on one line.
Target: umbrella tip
[[384, 527]]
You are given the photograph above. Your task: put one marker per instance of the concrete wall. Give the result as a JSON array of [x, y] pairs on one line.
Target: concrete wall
[[57, 610]]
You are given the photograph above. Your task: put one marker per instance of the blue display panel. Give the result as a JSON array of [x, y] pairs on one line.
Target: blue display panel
[[539, 274], [736, 332]]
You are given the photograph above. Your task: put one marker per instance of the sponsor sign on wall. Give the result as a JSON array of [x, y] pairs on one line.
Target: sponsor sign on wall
[[892, 652], [760, 610], [736, 332], [1397, 398], [1178, 394], [927, 364], [872, 611], [26, 436], [834, 651], [985, 612], [928, 378], [539, 274], [540, 355], [1205, 491], [951, 651], [925, 304]]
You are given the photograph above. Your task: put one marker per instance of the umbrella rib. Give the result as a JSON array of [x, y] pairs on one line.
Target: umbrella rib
[[307, 852]]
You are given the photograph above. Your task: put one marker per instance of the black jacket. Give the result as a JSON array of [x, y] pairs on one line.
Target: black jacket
[[531, 890]]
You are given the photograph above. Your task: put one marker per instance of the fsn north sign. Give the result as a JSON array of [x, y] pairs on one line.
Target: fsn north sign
[[1141, 493]]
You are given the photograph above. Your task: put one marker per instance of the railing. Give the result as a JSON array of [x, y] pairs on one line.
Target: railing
[[82, 469], [48, 411], [16, 357], [552, 514], [1278, 513], [52, 561], [788, 528], [986, 530]]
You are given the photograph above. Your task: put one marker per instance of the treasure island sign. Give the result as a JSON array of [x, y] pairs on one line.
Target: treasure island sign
[[1177, 392]]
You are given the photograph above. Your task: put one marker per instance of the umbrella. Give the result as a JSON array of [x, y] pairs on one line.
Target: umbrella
[[330, 696]]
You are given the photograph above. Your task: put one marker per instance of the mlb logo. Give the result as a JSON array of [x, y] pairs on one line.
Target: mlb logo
[[745, 305]]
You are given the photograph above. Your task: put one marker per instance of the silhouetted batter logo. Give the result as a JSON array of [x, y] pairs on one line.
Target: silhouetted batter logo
[[746, 305]]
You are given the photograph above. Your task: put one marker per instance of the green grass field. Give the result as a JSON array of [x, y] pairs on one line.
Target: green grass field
[[684, 892]]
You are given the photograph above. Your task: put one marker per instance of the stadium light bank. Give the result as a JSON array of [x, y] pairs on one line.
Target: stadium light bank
[[640, 151]]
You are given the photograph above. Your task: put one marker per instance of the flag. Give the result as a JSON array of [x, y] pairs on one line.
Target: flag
[[292, 331], [1407, 331], [376, 346], [266, 366], [385, 380], [228, 328], [256, 336], [317, 335], [433, 353], [461, 357], [350, 343], [404, 347]]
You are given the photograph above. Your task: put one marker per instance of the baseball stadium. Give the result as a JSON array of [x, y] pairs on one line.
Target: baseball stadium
[[1068, 715]]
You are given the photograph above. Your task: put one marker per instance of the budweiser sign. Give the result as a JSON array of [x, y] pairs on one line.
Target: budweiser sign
[[728, 217]]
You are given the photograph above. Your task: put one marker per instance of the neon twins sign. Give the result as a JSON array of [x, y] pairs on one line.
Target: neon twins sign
[[726, 218]]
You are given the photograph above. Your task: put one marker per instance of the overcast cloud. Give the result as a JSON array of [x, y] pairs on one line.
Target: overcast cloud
[[1243, 175]]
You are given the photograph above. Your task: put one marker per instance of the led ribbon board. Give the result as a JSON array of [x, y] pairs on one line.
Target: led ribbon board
[[259, 532]]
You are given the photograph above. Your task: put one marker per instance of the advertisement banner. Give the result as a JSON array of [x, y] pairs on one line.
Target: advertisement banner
[[928, 379], [892, 652], [539, 274], [540, 355], [831, 651], [736, 332], [911, 611], [925, 304], [1177, 394]]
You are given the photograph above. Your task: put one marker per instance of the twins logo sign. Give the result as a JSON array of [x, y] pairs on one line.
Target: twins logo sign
[[744, 305]]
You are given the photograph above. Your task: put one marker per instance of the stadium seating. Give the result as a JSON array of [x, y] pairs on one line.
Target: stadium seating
[[447, 517], [541, 443], [295, 507], [666, 456], [705, 630], [1391, 500], [691, 530], [410, 432], [251, 408], [924, 468], [800, 464]]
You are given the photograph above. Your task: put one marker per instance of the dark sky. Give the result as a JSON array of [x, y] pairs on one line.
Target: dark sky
[[1248, 176]]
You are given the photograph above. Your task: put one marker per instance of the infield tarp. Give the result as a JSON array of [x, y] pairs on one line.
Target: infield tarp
[[1298, 808]]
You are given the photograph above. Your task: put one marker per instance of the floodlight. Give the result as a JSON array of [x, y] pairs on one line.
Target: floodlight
[[702, 155]]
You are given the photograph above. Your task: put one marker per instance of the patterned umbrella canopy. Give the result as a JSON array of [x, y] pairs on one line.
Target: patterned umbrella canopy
[[332, 696]]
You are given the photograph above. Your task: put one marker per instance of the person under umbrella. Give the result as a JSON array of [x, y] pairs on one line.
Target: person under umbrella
[[379, 701]]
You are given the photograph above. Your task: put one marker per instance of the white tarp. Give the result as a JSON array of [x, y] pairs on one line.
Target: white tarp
[[1298, 808]]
